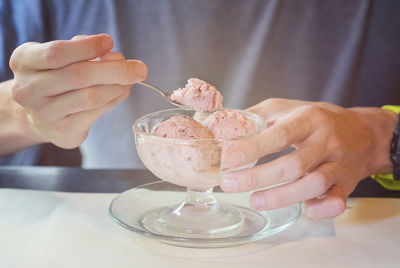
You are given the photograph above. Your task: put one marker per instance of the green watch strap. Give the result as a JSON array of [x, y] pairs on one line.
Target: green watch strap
[[394, 108], [387, 180]]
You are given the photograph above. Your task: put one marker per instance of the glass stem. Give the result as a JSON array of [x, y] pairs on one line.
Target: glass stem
[[198, 202], [203, 198]]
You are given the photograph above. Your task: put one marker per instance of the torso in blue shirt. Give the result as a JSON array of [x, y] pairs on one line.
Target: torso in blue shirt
[[345, 52]]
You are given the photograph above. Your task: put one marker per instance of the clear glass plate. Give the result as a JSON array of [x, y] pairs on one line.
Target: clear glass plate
[[134, 209]]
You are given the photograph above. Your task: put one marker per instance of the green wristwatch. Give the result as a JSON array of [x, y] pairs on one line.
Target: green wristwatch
[[392, 181]]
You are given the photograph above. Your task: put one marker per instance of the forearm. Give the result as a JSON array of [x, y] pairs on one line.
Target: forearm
[[16, 132], [381, 123]]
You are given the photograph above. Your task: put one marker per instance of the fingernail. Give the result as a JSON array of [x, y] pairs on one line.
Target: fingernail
[[257, 201], [107, 43], [229, 185], [140, 69]]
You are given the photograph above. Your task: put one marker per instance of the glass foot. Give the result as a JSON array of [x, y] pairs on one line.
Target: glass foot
[[143, 205], [200, 215]]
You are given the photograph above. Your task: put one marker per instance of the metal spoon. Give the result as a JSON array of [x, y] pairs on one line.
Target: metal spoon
[[166, 95]]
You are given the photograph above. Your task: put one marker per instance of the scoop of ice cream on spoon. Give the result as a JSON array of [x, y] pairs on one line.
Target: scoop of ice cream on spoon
[[197, 94]]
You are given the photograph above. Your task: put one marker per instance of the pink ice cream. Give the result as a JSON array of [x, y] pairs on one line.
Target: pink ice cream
[[199, 95], [191, 148], [185, 156], [182, 127], [227, 124]]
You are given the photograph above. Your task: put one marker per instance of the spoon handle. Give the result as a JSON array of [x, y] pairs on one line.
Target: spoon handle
[[153, 87], [166, 95]]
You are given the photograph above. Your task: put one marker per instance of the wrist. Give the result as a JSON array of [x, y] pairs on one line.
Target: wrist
[[381, 124], [393, 119]]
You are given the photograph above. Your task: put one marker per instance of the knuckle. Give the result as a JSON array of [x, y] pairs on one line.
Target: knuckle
[[52, 53], [284, 135], [253, 181], [320, 184], [14, 61], [336, 144], [17, 55], [338, 205], [299, 166], [19, 92], [319, 113], [312, 109], [271, 101]]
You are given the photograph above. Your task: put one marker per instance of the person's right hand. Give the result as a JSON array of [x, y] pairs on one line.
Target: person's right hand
[[65, 85]]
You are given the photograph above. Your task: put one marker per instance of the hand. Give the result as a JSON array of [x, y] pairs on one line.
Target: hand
[[66, 85], [334, 149]]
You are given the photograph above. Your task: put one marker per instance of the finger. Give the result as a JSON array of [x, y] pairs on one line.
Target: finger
[[87, 74], [282, 170], [274, 108], [310, 186], [286, 131], [80, 36], [60, 53], [349, 178], [110, 56], [331, 205], [87, 118], [77, 101], [77, 125]]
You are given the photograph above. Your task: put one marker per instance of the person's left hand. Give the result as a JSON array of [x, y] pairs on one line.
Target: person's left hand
[[335, 149]]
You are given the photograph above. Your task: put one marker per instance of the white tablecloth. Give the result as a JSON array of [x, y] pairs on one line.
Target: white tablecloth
[[55, 229]]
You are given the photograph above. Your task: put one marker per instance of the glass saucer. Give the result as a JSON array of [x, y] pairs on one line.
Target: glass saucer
[[135, 209]]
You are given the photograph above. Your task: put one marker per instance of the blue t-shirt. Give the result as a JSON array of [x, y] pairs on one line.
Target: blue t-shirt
[[344, 52]]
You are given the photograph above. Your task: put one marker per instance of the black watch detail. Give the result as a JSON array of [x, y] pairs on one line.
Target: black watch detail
[[395, 152]]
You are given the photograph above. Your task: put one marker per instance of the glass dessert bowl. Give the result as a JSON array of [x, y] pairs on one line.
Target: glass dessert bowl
[[196, 165], [188, 151]]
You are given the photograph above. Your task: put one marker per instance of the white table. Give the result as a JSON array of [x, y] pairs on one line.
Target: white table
[[58, 229]]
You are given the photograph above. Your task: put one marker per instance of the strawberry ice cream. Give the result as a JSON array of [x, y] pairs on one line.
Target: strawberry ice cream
[[182, 151], [199, 95], [186, 147], [182, 127], [228, 124]]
